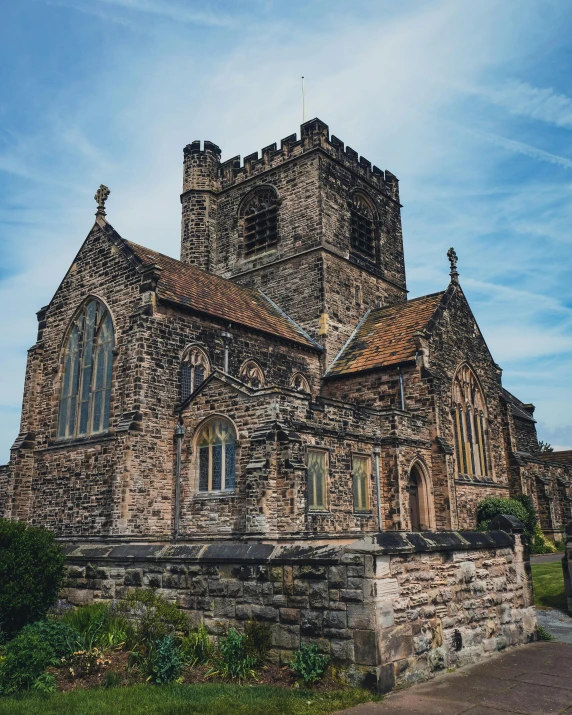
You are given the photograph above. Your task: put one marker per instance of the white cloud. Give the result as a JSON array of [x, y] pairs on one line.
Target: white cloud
[[522, 99], [523, 148]]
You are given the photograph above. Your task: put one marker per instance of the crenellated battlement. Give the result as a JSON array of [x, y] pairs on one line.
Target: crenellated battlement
[[313, 134]]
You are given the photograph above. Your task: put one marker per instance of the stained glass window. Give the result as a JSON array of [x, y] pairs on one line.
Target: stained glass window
[[88, 366], [470, 424], [216, 444], [316, 463], [360, 469]]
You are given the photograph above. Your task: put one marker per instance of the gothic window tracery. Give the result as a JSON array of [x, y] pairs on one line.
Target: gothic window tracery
[[362, 235], [469, 415], [216, 448], [260, 221], [300, 383], [361, 470], [317, 465], [88, 364], [251, 373], [194, 369]]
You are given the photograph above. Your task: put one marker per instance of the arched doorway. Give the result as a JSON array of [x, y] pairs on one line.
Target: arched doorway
[[420, 506]]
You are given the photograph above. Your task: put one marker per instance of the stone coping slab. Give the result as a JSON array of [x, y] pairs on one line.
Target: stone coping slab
[[304, 551]]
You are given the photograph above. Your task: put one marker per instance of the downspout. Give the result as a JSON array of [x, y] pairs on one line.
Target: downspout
[[376, 453], [179, 434], [401, 393]]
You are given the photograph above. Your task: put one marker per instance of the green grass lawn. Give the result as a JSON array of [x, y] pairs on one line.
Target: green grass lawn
[[207, 699], [548, 583]]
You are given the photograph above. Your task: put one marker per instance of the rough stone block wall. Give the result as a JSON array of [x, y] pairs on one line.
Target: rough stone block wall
[[388, 610]]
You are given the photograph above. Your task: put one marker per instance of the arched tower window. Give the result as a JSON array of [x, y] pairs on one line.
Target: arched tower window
[[300, 383], [194, 369], [216, 449], [251, 373], [259, 214], [88, 365], [362, 236], [470, 422]]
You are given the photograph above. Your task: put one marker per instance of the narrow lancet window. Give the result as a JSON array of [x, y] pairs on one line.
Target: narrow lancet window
[[88, 366], [362, 237], [194, 369], [260, 221]]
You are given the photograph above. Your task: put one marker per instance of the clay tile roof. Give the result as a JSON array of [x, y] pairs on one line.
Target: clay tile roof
[[562, 457], [194, 288], [385, 337]]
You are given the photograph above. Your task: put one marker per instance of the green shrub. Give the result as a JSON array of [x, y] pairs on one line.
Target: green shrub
[[31, 575], [543, 634], [540, 544], [493, 506], [309, 664], [232, 661], [112, 679], [26, 657], [197, 647], [152, 617], [258, 640], [45, 683], [63, 638], [100, 626]]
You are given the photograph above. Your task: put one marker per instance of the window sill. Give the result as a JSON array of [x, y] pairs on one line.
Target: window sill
[[363, 512], [219, 494], [80, 441], [318, 511]]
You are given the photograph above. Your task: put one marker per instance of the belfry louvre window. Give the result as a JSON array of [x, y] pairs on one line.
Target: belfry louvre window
[[194, 370], [216, 446], [360, 470], [362, 237], [317, 463], [470, 424], [260, 216], [88, 365]]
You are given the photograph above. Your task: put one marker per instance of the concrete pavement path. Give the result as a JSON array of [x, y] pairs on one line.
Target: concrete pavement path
[[545, 558], [534, 679]]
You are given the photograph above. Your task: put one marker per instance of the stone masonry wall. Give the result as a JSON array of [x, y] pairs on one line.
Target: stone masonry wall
[[390, 609]]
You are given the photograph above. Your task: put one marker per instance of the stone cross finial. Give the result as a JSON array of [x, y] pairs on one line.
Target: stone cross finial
[[101, 196], [452, 256]]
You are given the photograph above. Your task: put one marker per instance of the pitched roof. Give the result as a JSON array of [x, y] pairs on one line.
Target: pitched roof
[[562, 457], [385, 337], [518, 408], [194, 288]]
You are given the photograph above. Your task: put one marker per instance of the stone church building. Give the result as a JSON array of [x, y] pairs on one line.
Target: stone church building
[[274, 383]]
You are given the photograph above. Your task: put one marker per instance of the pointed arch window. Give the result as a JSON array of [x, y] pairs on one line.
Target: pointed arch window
[[470, 423], [251, 373], [260, 221], [194, 369], [216, 446], [88, 365], [362, 236]]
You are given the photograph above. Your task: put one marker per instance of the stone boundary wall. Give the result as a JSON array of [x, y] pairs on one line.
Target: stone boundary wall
[[567, 566], [389, 609]]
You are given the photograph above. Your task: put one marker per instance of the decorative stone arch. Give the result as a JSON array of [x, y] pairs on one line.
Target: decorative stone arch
[[195, 367], [421, 502], [300, 383], [252, 374], [258, 220], [470, 424], [76, 313]]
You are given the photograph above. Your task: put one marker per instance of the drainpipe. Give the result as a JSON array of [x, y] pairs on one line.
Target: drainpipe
[[179, 434], [376, 453], [401, 393]]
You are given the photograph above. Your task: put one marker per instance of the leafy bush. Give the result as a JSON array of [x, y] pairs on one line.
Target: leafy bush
[[543, 634], [26, 657], [112, 679], [258, 640], [45, 683], [31, 575], [100, 626], [85, 662], [493, 506], [197, 647], [232, 661], [63, 638], [540, 544], [309, 664], [152, 617]]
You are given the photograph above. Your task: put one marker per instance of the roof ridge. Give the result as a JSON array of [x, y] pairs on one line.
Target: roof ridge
[[291, 320], [348, 341], [407, 302]]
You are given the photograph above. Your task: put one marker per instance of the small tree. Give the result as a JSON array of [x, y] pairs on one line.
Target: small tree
[[544, 447], [31, 575]]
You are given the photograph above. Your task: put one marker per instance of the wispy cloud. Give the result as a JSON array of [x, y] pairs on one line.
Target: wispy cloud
[[522, 99], [522, 148]]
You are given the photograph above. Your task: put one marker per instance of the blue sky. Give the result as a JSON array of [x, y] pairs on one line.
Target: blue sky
[[468, 103]]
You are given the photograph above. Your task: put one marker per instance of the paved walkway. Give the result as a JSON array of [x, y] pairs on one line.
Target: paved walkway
[[545, 558], [533, 679]]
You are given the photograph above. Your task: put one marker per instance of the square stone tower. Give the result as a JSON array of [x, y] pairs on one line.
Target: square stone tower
[[311, 224]]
